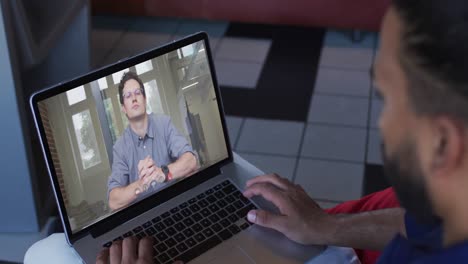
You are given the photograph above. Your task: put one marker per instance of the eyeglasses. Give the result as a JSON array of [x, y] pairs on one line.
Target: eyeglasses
[[137, 92]]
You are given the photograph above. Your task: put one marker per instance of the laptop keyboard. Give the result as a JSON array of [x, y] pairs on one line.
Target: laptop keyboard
[[192, 228]]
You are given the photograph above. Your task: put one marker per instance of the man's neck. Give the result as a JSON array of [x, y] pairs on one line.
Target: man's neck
[[140, 125]]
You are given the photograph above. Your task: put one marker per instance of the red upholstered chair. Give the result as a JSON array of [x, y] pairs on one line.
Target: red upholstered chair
[[375, 201], [356, 14]]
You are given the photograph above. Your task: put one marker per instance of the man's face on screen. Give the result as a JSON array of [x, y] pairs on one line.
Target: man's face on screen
[[134, 102]]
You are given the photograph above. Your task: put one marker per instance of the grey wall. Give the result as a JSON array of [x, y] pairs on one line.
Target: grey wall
[[16, 197], [26, 196]]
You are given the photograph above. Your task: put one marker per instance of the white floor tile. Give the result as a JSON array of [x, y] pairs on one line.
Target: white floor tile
[[347, 58], [334, 142], [243, 49], [335, 181], [342, 82], [343, 38], [214, 44], [374, 155], [283, 166], [238, 74], [233, 125], [270, 136], [339, 110]]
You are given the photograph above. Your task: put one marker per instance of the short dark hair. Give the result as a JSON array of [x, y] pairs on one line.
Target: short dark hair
[[434, 55], [129, 76]]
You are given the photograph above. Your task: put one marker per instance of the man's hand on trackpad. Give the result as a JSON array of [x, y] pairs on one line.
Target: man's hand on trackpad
[[301, 219]]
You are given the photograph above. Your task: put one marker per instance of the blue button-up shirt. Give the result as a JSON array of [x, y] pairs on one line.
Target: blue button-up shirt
[[423, 245], [162, 142]]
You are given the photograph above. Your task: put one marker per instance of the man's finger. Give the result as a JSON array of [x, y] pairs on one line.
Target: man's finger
[[140, 166], [150, 163], [146, 172], [160, 177], [268, 191], [145, 249], [146, 168], [143, 174], [129, 250], [274, 179], [267, 219], [115, 252], [148, 178], [103, 257]]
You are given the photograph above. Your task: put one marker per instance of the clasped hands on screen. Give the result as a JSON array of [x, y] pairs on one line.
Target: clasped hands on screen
[[149, 174]]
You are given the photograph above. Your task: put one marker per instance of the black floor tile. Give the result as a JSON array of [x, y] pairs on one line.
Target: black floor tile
[[247, 30], [374, 179], [288, 77]]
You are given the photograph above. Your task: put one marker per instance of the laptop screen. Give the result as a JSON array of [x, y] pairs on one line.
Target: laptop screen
[[133, 133]]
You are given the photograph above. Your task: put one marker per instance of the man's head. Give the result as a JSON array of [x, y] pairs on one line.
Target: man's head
[[422, 73], [132, 96]]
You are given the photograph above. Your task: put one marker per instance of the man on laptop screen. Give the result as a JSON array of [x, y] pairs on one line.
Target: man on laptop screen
[[125, 135], [150, 152]]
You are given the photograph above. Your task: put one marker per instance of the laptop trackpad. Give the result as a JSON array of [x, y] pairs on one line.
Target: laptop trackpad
[[226, 253], [234, 255]]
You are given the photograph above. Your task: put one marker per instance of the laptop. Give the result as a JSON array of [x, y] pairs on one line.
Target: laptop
[[91, 149]]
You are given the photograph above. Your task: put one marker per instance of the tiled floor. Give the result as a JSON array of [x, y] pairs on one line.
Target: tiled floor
[[283, 137], [312, 116]]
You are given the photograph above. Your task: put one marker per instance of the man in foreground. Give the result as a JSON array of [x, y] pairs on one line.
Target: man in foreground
[[422, 75]]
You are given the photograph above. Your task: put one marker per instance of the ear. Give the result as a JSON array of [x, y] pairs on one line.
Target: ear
[[123, 109], [448, 145]]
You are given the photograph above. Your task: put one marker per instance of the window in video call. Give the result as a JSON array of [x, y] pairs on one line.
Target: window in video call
[[130, 134]]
